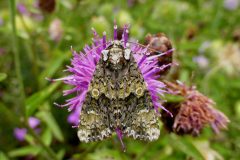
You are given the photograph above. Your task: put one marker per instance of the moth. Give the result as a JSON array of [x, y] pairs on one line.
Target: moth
[[117, 99]]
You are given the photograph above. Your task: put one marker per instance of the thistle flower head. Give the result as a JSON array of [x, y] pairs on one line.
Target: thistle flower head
[[20, 133], [22, 8], [231, 4], [193, 113], [56, 30], [83, 65]]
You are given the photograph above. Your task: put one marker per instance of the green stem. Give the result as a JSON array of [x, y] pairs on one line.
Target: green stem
[[144, 150], [51, 154], [17, 55], [30, 48], [20, 79], [89, 150], [208, 76]]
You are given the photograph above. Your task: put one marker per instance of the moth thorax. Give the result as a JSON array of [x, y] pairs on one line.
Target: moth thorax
[[116, 55], [116, 60]]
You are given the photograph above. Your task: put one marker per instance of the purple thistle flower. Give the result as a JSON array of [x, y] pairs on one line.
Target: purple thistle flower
[[1, 21], [56, 30], [22, 9], [20, 133], [231, 4], [148, 65], [73, 117], [201, 61], [2, 51], [83, 66], [33, 122]]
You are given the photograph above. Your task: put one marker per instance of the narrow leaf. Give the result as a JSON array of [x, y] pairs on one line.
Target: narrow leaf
[[185, 145], [53, 66], [47, 136], [34, 101], [3, 156], [48, 118], [3, 76], [24, 151]]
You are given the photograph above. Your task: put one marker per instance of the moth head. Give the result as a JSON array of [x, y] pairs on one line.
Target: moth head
[[115, 55]]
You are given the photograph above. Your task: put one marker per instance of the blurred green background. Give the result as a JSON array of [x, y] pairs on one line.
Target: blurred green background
[[205, 34]]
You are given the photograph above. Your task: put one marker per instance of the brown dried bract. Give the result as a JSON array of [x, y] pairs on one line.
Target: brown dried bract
[[47, 5], [161, 43], [236, 34], [193, 113]]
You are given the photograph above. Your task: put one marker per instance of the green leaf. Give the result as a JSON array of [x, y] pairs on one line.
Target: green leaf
[[3, 76], [48, 118], [9, 115], [237, 108], [203, 146], [61, 153], [30, 139], [47, 137], [3, 156], [185, 145], [184, 76], [173, 98], [34, 101], [28, 150], [53, 66]]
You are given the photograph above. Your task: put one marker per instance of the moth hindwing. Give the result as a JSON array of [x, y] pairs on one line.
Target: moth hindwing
[[117, 99]]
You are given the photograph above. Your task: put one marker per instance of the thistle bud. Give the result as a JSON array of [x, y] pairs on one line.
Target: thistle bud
[[47, 5], [160, 43]]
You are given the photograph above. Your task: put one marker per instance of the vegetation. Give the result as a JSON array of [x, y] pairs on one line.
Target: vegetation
[[35, 42]]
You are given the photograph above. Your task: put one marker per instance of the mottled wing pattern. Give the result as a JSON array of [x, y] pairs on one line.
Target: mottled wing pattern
[[94, 123], [94, 118], [141, 122], [118, 99]]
